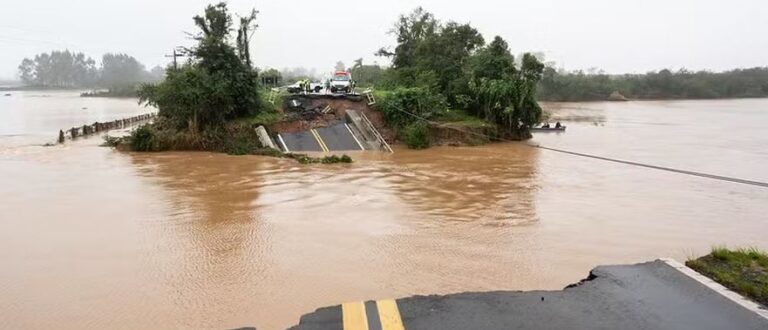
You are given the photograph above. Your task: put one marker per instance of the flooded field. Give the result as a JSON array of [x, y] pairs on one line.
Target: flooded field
[[94, 238]]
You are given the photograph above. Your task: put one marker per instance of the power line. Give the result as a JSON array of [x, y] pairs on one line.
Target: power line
[[177, 52], [655, 167], [668, 169]]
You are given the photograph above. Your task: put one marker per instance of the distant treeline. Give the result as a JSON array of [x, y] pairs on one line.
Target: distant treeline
[[575, 86], [665, 84], [65, 69]]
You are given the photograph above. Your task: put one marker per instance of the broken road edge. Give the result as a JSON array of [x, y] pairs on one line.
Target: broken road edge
[[328, 315]]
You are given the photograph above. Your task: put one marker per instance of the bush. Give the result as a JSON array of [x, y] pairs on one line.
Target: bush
[[333, 159], [304, 159], [112, 141], [416, 135], [143, 139], [404, 106]]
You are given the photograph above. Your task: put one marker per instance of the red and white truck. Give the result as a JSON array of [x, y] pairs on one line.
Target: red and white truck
[[342, 83]]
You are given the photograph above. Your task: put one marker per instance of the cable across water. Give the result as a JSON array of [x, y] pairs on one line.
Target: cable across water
[[655, 167]]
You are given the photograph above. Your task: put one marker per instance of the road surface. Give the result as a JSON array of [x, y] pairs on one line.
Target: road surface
[[336, 137], [652, 295]]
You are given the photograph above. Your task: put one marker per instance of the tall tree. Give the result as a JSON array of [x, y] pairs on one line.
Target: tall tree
[[367, 75], [452, 60], [410, 31], [433, 55], [502, 93], [244, 34], [218, 84], [58, 69], [27, 71], [118, 70]]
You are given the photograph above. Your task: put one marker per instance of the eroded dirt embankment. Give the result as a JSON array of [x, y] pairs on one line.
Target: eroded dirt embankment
[[321, 112], [307, 112]]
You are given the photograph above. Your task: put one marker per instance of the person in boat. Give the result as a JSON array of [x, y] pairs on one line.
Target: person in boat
[[558, 125], [545, 125]]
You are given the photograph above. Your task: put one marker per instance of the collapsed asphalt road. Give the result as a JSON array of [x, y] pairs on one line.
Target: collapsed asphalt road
[[337, 137], [651, 295]]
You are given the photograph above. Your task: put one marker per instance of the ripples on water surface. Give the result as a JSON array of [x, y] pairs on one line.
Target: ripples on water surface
[[92, 238]]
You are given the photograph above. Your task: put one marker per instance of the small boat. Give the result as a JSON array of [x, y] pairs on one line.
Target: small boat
[[549, 129]]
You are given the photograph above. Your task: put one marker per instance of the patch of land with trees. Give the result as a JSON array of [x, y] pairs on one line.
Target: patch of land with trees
[[447, 84]]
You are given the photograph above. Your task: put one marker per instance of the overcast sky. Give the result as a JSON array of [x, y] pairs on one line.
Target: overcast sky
[[616, 36]]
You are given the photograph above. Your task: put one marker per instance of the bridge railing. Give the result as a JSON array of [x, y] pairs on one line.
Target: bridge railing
[[99, 127], [376, 133]]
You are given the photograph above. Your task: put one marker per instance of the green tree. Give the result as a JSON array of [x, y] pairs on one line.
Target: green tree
[[494, 61], [244, 34], [664, 84], [504, 94], [451, 60], [410, 31], [367, 75], [433, 55], [217, 85]]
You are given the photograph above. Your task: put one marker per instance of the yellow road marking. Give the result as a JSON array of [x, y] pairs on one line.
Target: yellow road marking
[[389, 315], [312, 131], [353, 316], [319, 140]]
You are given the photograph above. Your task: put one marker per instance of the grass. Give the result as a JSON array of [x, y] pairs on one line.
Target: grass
[[743, 270], [381, 93]]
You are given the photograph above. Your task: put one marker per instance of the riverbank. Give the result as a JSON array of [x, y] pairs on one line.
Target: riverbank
[[652, 295], [36, 88], [236, 138], [656, 85], [110, 93], [286, 123]]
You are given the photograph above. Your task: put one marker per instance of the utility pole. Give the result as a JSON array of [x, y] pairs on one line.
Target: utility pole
[[175, 55]]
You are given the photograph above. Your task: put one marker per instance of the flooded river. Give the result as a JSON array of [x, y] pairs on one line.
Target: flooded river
[[94, 238]]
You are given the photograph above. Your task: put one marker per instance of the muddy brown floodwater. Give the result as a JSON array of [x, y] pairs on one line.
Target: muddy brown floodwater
[[93, 238]]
